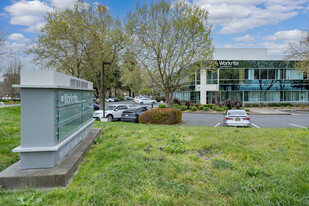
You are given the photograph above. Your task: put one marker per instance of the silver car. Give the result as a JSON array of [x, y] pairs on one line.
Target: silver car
[[237, 117]]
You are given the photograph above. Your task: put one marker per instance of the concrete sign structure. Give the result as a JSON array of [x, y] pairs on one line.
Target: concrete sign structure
[[56, 114], [56, 130]]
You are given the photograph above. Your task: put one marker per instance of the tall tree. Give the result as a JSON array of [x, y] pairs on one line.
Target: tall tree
[[300, 51], [10, 77], [169, 40], [132, 74], [76, 41]]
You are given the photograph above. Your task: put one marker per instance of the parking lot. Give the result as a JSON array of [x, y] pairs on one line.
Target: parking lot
[[297, 119]]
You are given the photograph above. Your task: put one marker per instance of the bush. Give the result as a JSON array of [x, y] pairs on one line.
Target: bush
[[161, 116], [188, 104], [176, 101], [247, 105], [176, 106], [157, 98], [201, 107], [255, 105], [162, 106], [183, 108], [209, 105], [121, 98], [193, 108], [231, 103], [206, 109]]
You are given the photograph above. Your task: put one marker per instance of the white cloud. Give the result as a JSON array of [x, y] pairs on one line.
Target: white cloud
[[61, 4], [246, 38], [286, 35], [235, 16], [274, 48], [17, 37], [28, 13]]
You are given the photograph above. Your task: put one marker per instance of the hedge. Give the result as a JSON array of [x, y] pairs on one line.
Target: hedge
[[161, 116]]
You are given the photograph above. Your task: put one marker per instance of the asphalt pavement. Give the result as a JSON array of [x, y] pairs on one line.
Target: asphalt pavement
[[299, 120]]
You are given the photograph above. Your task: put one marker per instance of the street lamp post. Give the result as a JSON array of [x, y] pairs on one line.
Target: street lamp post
[[103, 63]]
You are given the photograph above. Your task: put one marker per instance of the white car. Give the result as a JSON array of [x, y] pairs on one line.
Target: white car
[[146, 101], [112, 112], [109, 100]]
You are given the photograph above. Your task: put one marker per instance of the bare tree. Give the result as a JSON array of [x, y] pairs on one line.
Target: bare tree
[[12, 76], [299, 51], [170, 39]]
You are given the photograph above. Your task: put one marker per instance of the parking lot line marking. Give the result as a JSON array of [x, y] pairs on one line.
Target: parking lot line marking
[[255, 125], [217, 124], [295, 125]]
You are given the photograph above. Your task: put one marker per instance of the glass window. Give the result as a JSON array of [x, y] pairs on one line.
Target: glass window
[[249, 73], [263, 73], [287, 96], [271, 74], [256, 74], [295, 96], [303, 96], [273, 96]]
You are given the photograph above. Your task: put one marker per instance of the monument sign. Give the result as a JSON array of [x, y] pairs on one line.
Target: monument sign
[[56, 114]]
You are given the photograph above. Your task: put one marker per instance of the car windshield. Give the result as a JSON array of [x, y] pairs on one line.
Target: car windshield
[[236, 113], [110, 107]]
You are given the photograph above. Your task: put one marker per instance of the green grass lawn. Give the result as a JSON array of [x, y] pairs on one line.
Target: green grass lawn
[[134, 164]]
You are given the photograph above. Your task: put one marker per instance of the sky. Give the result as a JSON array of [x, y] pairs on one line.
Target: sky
[[270, 24]]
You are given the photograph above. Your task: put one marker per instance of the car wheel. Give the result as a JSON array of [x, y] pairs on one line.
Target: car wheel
[[109, 118]]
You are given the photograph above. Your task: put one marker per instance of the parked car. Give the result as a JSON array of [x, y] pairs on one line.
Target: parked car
[[112, 112], [237, 117], [146, 101], [116, 99], [96, 106], [109, 100], [136, 99], [132, 114]]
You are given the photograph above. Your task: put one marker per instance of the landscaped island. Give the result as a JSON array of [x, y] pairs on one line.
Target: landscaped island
[[137, 164]]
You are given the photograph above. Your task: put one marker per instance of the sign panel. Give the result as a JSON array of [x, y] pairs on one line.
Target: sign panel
[[74, 109]]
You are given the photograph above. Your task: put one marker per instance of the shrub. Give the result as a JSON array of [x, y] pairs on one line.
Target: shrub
[[162, 106], [193, 108], [157, 98], [209, 105], [247, 110], [161, 116], [175, 144], [231, 103], [183, 108], [201, 107], [255, 104], [206, 109], [176, 106], [188, 104], [219, 109], [176, 101], [247, 105]]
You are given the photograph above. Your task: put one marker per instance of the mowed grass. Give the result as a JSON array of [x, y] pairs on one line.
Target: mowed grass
[[9, 135], [132, 164]]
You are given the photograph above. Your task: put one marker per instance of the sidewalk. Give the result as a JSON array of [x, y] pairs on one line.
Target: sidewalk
[[9, 105], [267, 111]]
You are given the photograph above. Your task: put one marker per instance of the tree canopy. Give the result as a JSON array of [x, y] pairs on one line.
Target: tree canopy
[[76, 42], [170, 39], [300, 51]]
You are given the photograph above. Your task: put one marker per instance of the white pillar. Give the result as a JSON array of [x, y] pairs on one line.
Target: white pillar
[[203, 96]]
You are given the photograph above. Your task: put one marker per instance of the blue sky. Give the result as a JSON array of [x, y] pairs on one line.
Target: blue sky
[[270, 24]]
